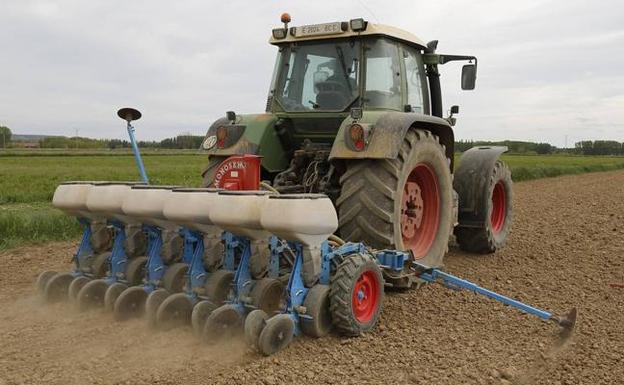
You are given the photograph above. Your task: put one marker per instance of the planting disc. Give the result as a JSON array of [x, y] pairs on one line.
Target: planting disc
[[75, 286], [254, 323], [276, 335], [57, 287], [135, 270], [101, 265], [43, 279], [174, 311], [201, 311], [225, 322], [112, 293], [317, 306], [154, 300], [267, 294], [131, 303], [174, 279], [218, 286], [92, 294]]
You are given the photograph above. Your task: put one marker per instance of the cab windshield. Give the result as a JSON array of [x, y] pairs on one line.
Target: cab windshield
[[319, 76]]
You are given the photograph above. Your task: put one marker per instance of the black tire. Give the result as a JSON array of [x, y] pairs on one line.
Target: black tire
[[112, 293], [201, 312], [57, 287], [135, 271], [100, 265], [254, 323], [130, 303], [218, 286], [153, 302], [267, 295], [209, 172], [347, 317], [174, 279], [317, 306], [276, 335], [75, 286], [174, 311], [92, 295], [494, 234], [371, 200], [222, 324], [43, 279]]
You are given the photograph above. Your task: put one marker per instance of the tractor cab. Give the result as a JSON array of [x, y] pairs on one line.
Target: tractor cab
[[333, 67], [324, 71]]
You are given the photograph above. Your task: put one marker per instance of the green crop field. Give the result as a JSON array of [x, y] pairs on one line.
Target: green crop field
[[28, 180]]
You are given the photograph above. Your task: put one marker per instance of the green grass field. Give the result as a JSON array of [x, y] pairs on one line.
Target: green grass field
[[27, 183]]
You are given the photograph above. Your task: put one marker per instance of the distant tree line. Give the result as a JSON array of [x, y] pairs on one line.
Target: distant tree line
[[599, 147], [515, 146], [178, 142], [585, 147]]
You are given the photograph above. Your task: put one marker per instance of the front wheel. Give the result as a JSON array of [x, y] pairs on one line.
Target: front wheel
[[404, 203]]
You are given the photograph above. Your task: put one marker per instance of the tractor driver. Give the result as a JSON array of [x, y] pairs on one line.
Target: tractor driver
[[336, 91]]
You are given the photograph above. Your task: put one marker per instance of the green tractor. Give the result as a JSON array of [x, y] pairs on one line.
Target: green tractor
[[354, 111]]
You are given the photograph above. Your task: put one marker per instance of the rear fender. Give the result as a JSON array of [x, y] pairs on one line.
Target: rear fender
[[250, 134], [388, 129], [472, 180]]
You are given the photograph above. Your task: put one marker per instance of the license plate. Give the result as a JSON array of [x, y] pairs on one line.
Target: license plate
[[319, 29]]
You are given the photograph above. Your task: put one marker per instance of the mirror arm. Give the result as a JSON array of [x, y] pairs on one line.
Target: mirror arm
[[432, 58]]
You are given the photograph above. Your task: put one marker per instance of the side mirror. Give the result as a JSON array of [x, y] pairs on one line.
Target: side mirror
[[468, 76], [454, 110]]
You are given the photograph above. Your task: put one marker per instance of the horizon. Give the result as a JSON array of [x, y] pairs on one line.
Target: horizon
[[186, 64]]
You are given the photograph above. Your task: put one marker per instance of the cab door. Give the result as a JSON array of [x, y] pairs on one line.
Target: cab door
[[416, 94]]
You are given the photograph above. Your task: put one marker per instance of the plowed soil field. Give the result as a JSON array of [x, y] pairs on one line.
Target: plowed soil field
[[566, 250]]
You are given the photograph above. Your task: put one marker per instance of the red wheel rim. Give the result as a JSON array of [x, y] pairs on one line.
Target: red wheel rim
[[499, 207], [420, 210], [365, 299]]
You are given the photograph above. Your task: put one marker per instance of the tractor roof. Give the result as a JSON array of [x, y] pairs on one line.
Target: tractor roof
[[343, 29]]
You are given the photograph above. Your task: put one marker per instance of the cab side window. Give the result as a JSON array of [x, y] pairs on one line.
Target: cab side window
[[383, 75], [413, 75]]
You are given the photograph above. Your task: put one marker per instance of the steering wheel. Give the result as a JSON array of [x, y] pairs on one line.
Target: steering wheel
[[332, 86], [292, 105]]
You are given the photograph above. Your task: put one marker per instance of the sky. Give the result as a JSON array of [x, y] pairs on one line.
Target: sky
[[549, 71]]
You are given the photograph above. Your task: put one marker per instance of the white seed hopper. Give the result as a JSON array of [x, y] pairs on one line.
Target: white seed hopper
[[146, 203], [239, 212], [106, 198], [190, 207], [305, 218], [71, 198]]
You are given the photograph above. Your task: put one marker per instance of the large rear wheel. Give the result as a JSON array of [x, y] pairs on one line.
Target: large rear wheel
[[499, 208], [404, 203]]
